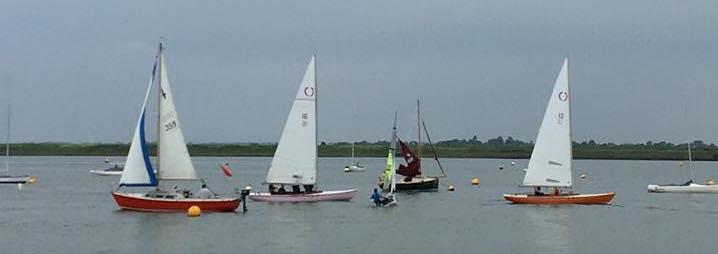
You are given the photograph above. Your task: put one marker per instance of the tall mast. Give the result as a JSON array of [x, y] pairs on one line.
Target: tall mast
[[160, 91], [570, 121], [418, 130], [7, 138], [690, 159], [393, 134], [316, 119]]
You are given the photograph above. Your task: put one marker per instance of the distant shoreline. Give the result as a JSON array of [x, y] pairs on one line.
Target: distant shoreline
[[444, 150]]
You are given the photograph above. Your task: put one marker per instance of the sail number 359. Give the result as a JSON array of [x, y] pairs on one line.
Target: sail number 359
[[170, 125]]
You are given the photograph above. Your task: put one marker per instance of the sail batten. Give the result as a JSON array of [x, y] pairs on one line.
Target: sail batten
[[295, 160], [550, 163]]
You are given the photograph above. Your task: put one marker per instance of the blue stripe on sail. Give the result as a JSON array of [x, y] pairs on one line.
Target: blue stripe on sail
[[154, 68], [146, 154]]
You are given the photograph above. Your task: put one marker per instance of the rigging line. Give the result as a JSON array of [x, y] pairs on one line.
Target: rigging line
[[436, 156]]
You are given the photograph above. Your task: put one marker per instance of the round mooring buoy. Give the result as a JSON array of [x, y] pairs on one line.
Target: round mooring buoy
[[194, 211], [19, 186], [451, 187], [584, 175], [32, 180], [474, 181]]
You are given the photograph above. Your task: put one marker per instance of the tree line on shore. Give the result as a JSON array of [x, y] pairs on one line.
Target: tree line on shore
[[498, 147]]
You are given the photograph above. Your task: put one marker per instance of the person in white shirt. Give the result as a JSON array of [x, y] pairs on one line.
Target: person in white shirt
[[204, 193]]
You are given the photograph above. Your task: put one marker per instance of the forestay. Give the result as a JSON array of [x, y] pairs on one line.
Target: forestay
[[174, 161], [550, 163], [295, 160], [138, 168]]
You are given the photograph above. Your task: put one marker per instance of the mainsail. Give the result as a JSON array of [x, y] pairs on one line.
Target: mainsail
[[295, 160], [138, 168], [550, 163], [413, 163], [173, 159]]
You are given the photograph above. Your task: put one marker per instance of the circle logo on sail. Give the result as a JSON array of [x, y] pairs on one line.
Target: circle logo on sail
[[309, 91], [563, 96]]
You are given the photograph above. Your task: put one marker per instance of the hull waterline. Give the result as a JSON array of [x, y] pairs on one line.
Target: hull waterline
[[581, 199], [337, 195], [138, 202], [14, 179], [418, 184]]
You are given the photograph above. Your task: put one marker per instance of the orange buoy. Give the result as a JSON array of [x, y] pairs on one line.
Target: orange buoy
[[194, 211]]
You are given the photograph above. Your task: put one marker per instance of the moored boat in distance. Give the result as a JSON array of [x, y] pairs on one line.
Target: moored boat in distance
[[551, 159], [295, 159], [173, 161], [687, 187], [5, 177], [115, 170]]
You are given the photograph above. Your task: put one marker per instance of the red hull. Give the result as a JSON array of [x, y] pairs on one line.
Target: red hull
[[581, 199], [139, 203]]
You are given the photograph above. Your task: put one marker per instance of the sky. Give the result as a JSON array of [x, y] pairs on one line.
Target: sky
[[76, 71]]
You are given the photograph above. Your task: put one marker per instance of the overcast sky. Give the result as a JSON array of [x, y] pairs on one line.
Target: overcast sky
[[640, 70]]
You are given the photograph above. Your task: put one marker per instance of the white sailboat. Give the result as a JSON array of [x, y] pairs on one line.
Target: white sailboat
[[687, 187], [551, 159], [295, 160], [354, 167], [5, 177], [173, 160]]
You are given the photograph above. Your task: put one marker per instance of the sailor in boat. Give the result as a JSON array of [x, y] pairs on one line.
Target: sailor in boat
[[204, 192], [281, 189], [308, 188], [537, 191], [295, 189], [376, 197], [272, 189]]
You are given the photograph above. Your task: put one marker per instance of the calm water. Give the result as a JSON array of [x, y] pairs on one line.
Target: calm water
[[72, 211]]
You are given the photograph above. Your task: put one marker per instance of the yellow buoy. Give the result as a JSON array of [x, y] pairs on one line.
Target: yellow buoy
[[31, 180], [194, 211], [451, 187], [710, 181], [584, 175], [474, 181]]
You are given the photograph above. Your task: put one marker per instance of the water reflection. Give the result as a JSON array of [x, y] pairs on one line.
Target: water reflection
[[550, 227], [292, 228]]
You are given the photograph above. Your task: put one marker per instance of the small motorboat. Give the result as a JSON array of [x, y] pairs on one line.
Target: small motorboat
[[14, 179], [315, 196], [354, 168], [689, 187], [111, 171], [570, 198]]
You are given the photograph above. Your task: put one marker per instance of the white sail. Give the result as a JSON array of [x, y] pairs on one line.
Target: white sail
[[295, 160], [173, 161], [138, 168], [550, 163]]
